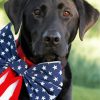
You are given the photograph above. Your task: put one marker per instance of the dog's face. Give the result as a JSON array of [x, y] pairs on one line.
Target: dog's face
[[51, 25]]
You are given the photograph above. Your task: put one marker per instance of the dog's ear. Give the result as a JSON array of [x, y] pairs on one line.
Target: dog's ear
[[88, 15], [14, 10]]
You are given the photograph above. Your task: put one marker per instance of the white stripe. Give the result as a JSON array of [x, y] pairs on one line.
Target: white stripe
[[9, 91], [2, 79]]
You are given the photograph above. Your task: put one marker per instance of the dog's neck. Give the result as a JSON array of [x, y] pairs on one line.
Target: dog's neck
[[24, 43]]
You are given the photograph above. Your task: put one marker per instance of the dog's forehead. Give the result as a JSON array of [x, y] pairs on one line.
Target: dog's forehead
[[33, 4], [68, 3]]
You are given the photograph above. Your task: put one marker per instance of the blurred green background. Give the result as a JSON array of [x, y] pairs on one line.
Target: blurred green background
[[84, 59]]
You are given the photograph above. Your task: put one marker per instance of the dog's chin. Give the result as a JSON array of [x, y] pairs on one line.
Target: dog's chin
[[49, 58], [44, 58]]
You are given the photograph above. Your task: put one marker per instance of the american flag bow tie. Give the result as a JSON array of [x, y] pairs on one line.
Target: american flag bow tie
[[43, 81]]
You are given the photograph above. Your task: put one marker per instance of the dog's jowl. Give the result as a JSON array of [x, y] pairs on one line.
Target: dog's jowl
[[47, 29]]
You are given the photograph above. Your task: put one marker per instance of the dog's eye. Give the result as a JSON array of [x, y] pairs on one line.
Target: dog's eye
[[66, 13], [37, 12]]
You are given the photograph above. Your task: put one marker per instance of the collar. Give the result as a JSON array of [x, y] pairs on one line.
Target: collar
[[22, 55]]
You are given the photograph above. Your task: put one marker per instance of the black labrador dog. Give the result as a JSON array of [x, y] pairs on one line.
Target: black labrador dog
[[47, 29]]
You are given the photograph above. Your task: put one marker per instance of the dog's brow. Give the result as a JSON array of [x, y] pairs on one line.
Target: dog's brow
[[60, 5], [43, 7]]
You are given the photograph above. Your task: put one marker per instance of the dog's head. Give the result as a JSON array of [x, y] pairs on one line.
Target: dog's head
[[49, 26]]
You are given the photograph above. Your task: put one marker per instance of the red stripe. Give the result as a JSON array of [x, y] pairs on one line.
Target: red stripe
[[10, 79]]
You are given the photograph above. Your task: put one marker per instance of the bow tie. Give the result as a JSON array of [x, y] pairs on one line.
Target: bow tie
[[43, 81]]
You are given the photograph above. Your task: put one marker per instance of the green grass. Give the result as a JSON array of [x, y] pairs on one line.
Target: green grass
[[3, 19], [85, 62], [82, 93]]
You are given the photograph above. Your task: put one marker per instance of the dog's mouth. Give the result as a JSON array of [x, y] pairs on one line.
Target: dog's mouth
[[48, 58], [44, 58], [48, 53]]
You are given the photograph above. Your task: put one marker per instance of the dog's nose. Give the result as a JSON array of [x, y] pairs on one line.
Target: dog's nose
[[52, 38]]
